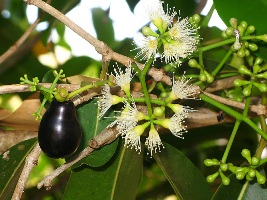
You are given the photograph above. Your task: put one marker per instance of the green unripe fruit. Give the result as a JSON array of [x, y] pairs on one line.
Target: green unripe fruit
[[255, 161], [193, 63], [239, 82], [158, 111], [244, 24], [224, 35], [196, 18], [260, 178], [212, 177], [253, 47], [250, 30], [209, 162], [252, 173], [246, 154], [244, 70], [240, 175], [241, 53], [224, 167], [229, 31], [258, 61], [233, 22]]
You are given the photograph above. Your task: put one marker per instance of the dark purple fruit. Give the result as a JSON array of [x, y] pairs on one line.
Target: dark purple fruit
[[59, 132]]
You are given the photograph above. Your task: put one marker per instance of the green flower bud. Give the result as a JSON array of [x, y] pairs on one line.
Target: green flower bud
[[224, 167], [250, 30], [210, 78], [163, 95], [158, 111], [263, 37], [262, 75], [224, 35], [211, 162], [233, 22], [231, 167], [212, 177], [261, 86], [249, 178], [244, 70], [251, 173], [196, 18], [253, 47], [247, 53], [240, 175], [241, 30], [239, 82], [260, 178], [258, 61], [241, 53], [255, 161], [256, 69], [246, 154], [202, 77], [225, 180], [244, 24], [229, 31], [194, 64], [247, 91], [146, 31]]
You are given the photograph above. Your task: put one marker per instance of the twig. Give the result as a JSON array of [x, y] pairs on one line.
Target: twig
[[105, 137], [259, 109], [100, 46], [30, 161]]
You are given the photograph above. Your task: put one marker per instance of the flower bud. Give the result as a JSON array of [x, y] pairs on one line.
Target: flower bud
[[196, 18], [233, 22], [229, 31], [244, 24], [211, 162], [239, 82], [223, 166], [212, 177], [255, 161], [258, 61], [256, 69], [225, 180], [224, 35], [250, 30], [246, 154], [261, 86], [241, 53], [247, 91], [146, 31], [243, 70], [260, 178], [253, 47]]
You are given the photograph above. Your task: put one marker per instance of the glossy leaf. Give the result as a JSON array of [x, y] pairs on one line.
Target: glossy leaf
[[11, 167], [117, 179], [253, 12], [184, 177], [132, 4], [91, 126]]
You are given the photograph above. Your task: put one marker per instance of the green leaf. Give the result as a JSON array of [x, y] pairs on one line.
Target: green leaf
[[11, 167], [253, 12], [117, 179], [184, 177], [186, 7], [91, 126], [103, 26], [132, 4]]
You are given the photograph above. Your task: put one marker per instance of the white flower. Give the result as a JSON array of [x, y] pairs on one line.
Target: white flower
[[107, 100], [158, 16], [148, 46], [178, 49], [176, 125], [183, 30], [123, 79], [153, 141], [132, 139], [182, 90], [128, 118]]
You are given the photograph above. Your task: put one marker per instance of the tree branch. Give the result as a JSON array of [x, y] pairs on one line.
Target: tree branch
[[30, 161], [101, 47]]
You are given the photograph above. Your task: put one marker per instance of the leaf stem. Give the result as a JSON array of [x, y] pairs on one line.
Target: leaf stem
[[223, 61]]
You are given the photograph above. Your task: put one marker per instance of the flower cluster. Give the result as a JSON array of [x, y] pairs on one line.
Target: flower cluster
[[179, 40], [132, 123]]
